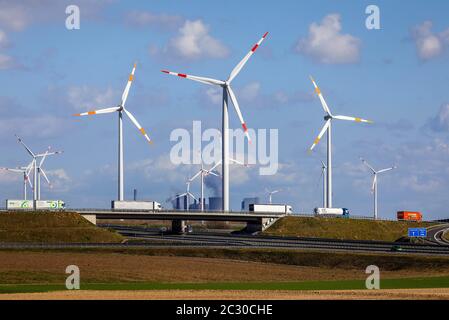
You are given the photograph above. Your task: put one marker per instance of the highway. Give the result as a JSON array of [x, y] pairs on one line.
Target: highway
[[435, 234], [153, 236]]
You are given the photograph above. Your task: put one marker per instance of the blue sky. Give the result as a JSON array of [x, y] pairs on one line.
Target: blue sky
[[396, 76]]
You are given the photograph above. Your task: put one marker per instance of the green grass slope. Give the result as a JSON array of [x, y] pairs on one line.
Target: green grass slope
[[52, 227], [339, 228], [402, 283]]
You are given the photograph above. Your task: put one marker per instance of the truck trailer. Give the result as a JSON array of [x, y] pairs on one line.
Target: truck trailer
[[331, 212], [271, 208], [409, 216], [49, 205], [19, 205], [35, 205], [136, 205]]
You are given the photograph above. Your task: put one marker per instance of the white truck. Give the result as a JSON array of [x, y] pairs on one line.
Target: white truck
[[136, 205], [19, 205], [335, 212], [271, 208], [49, 205]]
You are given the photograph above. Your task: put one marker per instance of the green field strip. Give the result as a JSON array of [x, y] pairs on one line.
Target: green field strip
[[403, 283]]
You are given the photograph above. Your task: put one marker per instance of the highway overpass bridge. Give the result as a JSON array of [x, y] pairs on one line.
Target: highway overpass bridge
[[255, 221]]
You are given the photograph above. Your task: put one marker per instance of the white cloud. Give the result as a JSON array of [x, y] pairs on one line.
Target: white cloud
[[6, 62], [192, 42], [4, 41], [250, 92], [19, 14], [327, 44], [160, 21], [86, 97], [428, 45], [35, 126], [59, 179], [441, 121]]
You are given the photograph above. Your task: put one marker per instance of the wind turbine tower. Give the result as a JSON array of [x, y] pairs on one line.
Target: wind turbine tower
[[375, 181], [227, 93], [328, 118]]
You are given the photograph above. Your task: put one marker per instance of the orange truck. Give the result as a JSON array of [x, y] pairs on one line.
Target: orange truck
[[409, 216]]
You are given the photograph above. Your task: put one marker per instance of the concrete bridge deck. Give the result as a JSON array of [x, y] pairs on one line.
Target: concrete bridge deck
[[256, 221]]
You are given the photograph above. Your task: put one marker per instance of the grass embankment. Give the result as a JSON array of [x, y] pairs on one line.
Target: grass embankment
[[52, 227], [404, 283], [344, 229]]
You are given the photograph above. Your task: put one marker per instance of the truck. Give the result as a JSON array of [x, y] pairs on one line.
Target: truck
[[19, 205], [49, 205], [331, 212], [136, 205], [409, 216], [271, 208]]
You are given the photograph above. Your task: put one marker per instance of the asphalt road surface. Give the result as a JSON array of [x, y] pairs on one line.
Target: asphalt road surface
[[151, 236]]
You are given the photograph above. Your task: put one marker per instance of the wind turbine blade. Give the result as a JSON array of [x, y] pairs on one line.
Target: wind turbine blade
[[204, 80], [374, 183], [352, 119], [237, 109], [386, 170], [25, 146], [100, 111], [238, 162], [215, 166], [128, 86], [191, 195], [240, 65], [195, 176], [12, 170], [320, 95], [136, 123], [368, 165], [45, 176], [43, 159], [212, 173], [323, 130]]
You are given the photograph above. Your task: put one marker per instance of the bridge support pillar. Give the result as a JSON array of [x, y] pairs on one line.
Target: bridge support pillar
[[259, 225], [178, 226], [91, 218]]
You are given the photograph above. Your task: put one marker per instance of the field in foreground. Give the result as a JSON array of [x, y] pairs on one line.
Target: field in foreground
[[52, 227], [211, 269], [344, 229], [409, 294]]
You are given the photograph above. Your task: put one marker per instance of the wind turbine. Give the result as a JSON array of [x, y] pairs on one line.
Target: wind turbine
[[202, 174], [120, 109], [328, 127], [323, 175], [185, 194], [374, 185], [270, 194], [25, 171], [227, 91], [37, 169]]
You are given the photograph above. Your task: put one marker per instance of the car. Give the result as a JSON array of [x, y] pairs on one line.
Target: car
[[396, 248]]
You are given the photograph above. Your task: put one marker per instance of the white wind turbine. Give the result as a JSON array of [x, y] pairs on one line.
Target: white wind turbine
[[270, 194], [328, 127], [186, 194], [25, 171], [120, 109], [375, 180], [323, 176], [202, 174], [227, 91], [37, 168]]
